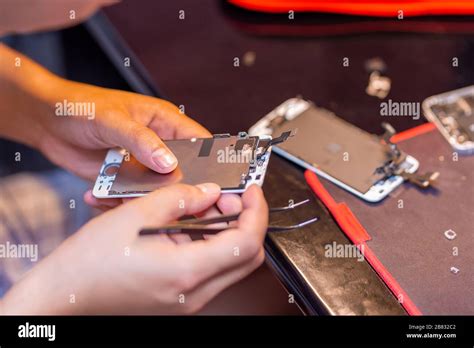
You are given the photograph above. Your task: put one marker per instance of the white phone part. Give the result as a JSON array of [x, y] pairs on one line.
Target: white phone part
[[232, 162], [318, 150], [453, 114]]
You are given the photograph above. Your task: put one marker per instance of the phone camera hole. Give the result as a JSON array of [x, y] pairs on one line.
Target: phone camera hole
[[111, 169]]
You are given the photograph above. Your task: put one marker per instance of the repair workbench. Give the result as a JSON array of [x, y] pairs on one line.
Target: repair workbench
[[192, 60]]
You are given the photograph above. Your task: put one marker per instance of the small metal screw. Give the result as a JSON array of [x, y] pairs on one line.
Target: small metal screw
[[450, 234]]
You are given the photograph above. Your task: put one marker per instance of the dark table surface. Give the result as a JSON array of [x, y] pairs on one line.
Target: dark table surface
[[192, 62]]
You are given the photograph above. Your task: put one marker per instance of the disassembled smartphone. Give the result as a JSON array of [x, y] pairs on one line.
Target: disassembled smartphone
[[453, 113], [357, 161], [232, 162]]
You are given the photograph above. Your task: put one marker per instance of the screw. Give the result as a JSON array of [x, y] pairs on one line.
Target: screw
[[450, 234]]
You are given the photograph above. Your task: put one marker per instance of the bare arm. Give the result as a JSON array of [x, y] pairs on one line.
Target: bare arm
[[24, 16], [29, 100], [24, 90]]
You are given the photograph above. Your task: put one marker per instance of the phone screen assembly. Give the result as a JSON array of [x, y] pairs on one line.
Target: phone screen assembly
[[453, 114], [335, 149], [232, 162]]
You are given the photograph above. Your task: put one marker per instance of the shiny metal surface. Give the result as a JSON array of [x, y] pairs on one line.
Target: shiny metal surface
[[193, 169], [326, 285]]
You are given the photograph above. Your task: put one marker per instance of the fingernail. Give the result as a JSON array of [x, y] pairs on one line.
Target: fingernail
[[209, 188], [164, 158]]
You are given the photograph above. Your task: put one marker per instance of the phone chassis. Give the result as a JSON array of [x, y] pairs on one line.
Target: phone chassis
[[294, 107]]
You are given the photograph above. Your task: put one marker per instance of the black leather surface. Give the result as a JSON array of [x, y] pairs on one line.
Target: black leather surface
[[328, 285]]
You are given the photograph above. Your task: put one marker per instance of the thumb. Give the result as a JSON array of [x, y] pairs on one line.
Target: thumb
[[145, 145], [171, 202]]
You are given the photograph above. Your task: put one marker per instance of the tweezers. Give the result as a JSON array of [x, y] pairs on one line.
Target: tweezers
[[196, 224]]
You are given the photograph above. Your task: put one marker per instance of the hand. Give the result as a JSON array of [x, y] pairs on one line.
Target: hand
[[132, 121], [74, 124], [109, 269]]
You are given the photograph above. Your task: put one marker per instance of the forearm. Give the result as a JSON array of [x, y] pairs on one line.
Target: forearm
[[49, 288], [26, 91], [34, 295]]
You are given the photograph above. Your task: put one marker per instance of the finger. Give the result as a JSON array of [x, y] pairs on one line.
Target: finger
[[102, 204], [226, 205], [254, 217], [144, 144], [167, 120], [180, 238], [230, 204], [67, 155], [163, 238], [204, 259], [178, 126], [213, 212], [169, 203]]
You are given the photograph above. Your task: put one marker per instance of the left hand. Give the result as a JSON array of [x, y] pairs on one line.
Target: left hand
[[73, 124], [121, 119]]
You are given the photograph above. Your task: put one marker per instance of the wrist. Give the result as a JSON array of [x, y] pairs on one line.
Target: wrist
[[26, 97], [48, 289]]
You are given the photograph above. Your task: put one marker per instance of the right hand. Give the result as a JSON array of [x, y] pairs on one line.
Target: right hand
[[108, 269]]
